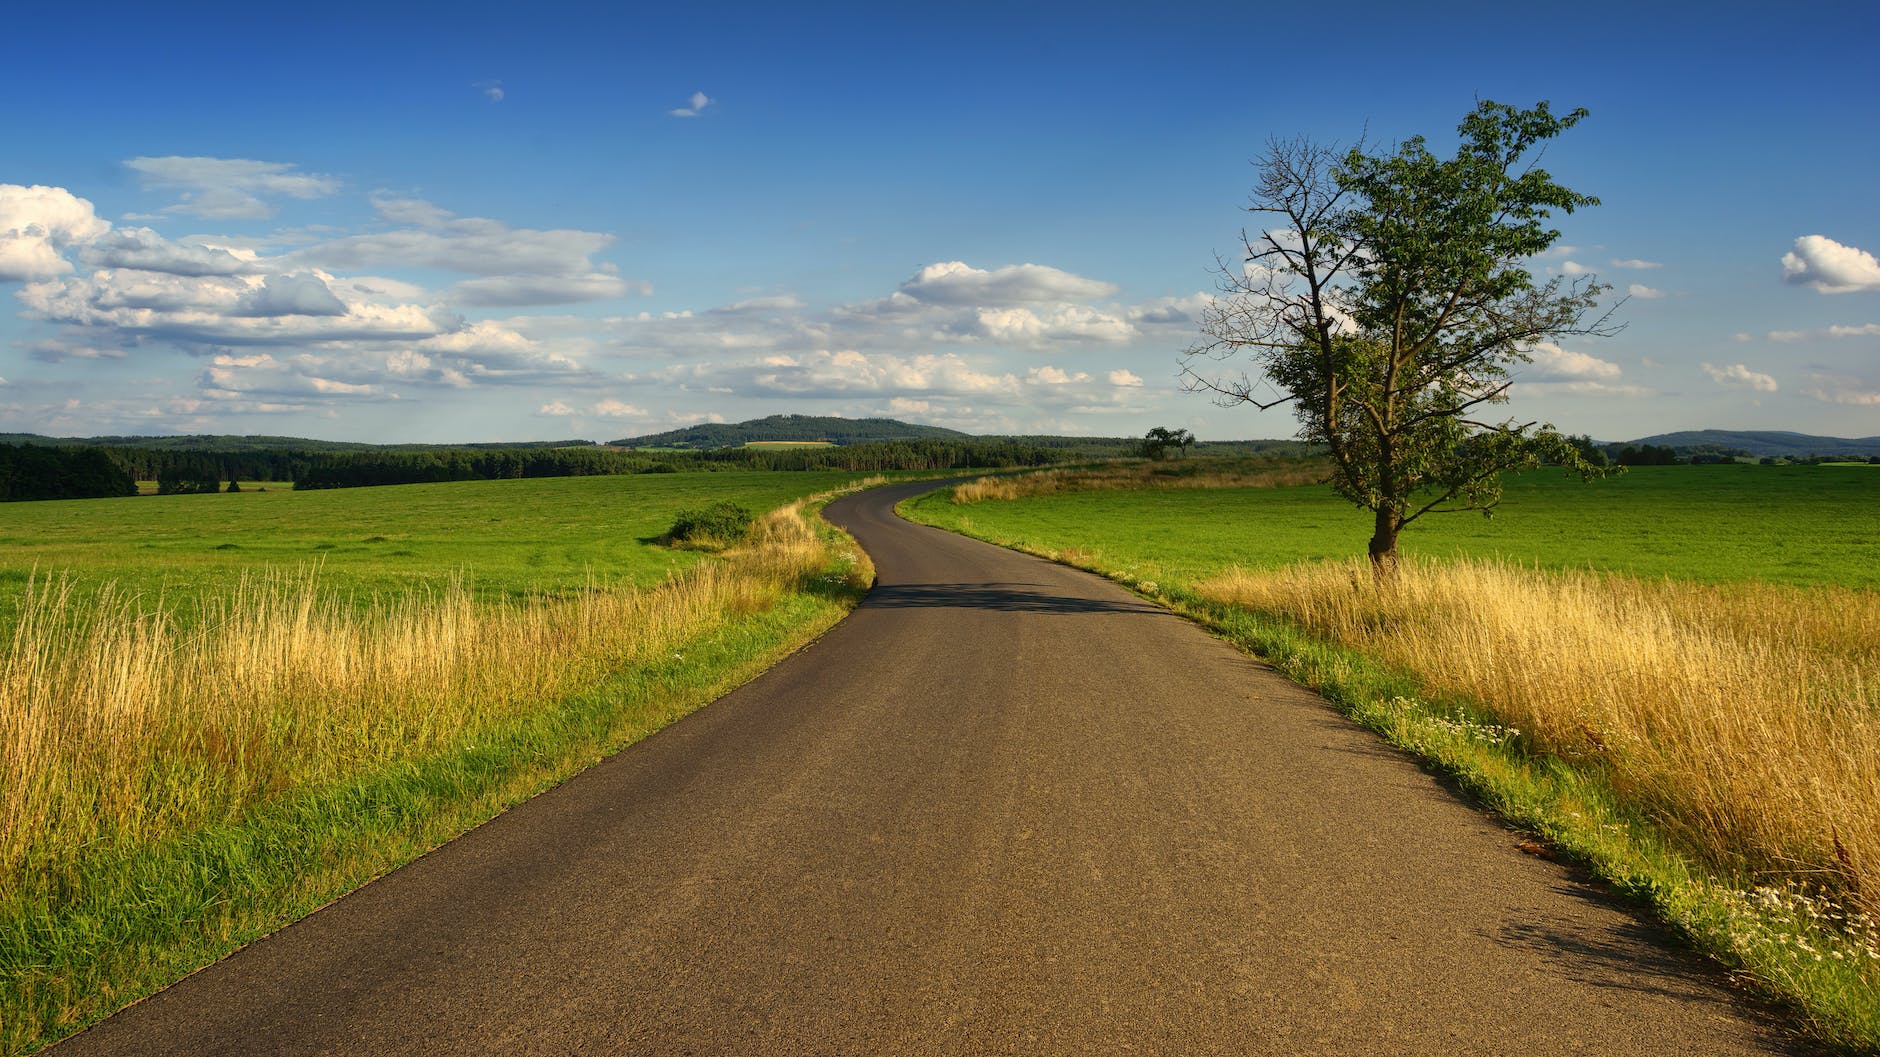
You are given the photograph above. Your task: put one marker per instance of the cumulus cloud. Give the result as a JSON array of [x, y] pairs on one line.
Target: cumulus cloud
[[1738, 376], [1124, 379], [1553, 363], [222, 310], [957, 283], [36, 223], [1566, 372], [289, 295], [145, 250], [694, 106], [1640, 290], [1634, 262], [515, 266], [1864, 330], [1830, 267], [230, 188], [1574, 268]]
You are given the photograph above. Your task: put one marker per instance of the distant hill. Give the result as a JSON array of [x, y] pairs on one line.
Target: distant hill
[[1777, 443], [843, 431]]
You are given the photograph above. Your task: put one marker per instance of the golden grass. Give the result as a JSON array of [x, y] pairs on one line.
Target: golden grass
[[1131, 476], [123, 725], [1745, 718]]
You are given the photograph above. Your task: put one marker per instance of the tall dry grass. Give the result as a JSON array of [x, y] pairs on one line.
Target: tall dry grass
[[122, 724], [1198, 473], [1745, 718]]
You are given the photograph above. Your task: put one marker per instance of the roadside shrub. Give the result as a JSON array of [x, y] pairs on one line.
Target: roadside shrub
[[720, 524]]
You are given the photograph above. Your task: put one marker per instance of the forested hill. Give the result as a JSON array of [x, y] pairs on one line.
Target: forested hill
[[843, 431], [1775, 443]]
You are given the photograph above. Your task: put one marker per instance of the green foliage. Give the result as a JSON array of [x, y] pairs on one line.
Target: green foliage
[[1389, 300], [33, 472], [721, 523], [1157, 442]]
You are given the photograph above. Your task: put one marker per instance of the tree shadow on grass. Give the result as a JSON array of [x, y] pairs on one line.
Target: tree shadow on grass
[[999, 597]]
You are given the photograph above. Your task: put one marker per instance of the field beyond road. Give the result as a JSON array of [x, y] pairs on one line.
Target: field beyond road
[[1710, 524]]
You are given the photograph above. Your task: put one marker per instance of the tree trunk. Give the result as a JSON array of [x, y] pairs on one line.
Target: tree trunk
[[1384, 543]]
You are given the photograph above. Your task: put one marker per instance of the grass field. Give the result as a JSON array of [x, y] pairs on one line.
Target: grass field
[[1711, 524], [510, 538], [1670, 676], [204, 742], [782, 445]]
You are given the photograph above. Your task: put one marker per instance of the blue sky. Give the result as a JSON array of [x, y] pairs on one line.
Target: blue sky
[[481, 222]]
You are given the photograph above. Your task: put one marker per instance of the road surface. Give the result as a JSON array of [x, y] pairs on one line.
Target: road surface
[[1005, 807]]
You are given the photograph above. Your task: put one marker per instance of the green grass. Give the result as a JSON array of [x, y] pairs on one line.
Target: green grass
[[512, 538], [1713, 524]]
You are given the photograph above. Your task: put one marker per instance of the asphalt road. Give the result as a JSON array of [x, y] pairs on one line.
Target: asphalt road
[[1005, 807]]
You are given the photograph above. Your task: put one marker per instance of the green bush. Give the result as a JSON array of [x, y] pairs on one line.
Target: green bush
[[721, 523]]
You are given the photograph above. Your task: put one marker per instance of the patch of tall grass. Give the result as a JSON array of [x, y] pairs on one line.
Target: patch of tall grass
[[1746, 718], [132, 732], [1128, 476]]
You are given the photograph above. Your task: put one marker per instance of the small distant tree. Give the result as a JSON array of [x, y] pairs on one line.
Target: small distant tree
[[1387, 297], [233, 485], [1157, 442]]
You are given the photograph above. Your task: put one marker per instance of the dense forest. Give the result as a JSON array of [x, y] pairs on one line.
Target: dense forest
[[33, 472]]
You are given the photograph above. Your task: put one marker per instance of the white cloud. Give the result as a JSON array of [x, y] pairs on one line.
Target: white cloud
[[1634, 262], [1048, 375], [1565, 372], [902, 405], [1124, 379], [1738, 376], [694, 106], [1553, 363], [1574, 268], [611, 408], [35, 224], [1640, 290], [515, 266], [230, 188], [956, 283], [289, 295], [145, 250], [1830, 267], [555, 409], [492, 90]]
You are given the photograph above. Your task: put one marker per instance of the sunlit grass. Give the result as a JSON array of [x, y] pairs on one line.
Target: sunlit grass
[[178, 782]]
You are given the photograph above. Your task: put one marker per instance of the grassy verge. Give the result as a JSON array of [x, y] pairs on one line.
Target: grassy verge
[[182, 789], [1709, 750]]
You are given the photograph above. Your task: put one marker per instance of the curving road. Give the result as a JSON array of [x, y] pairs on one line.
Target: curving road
[[1005, 807]]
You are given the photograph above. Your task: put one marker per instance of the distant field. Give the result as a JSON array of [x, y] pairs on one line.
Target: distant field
[[1713, 524], [511, 537], [776, 445]]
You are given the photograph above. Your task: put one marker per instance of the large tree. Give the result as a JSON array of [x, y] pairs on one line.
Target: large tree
[[1387, 296]]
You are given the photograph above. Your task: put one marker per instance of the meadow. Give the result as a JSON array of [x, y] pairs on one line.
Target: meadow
[[221, 711], [1710, 524], [1669, 676]]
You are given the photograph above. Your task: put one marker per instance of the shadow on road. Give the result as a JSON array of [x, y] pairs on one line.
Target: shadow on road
[[1001, 597]]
